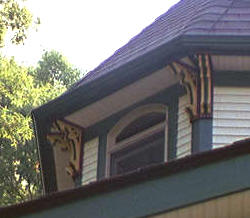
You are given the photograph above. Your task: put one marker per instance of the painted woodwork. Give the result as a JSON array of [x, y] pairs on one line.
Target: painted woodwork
[[231, 115], [197, 80], [184, 132], [124, 98], [167, 97], [233, 63], [234, 205], [90, 158], [69, 138], [160, 194], [113, 146], [61, 159]]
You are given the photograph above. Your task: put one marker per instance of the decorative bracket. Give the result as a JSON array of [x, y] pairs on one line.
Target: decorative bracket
[[68, 136], [198, 84]]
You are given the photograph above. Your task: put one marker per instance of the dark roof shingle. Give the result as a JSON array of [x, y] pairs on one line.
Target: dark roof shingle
[[188, 17]]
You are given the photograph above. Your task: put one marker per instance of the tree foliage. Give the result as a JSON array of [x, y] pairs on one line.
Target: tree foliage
[[22, 89], [54, 68], [16, 18], [19, 93]]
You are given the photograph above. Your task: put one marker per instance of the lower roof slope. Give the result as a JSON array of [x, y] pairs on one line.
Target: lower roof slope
[[234, 152]]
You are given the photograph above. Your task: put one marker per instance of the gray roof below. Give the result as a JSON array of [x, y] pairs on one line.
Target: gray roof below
[[188, 17]]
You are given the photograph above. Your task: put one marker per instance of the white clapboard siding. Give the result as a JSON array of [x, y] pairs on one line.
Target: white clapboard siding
[[184, 135], [90, 158], [231, 115]]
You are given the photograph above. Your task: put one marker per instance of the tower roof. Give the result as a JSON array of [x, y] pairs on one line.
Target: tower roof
[[190, 26], [186, 18]]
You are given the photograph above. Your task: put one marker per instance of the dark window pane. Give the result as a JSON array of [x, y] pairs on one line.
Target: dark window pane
[[147, 151], [140, 124]]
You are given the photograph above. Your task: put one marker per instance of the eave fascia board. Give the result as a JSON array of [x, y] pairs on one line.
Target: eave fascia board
[[102, 86], [45, 156], [221, 44]]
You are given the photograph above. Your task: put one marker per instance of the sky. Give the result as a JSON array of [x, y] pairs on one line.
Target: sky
[[85, 31]]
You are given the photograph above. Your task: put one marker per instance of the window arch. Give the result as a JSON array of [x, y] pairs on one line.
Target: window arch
[[137, 139]]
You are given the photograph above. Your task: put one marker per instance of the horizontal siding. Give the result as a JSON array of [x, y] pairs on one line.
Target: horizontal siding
[[221, 62], [234, 205], [231, 115], [184, 135], [90, 159]]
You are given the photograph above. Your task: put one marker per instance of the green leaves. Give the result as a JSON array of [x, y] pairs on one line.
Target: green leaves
[[54, 68], [19, 180], [16, 18], [15, 93], [17, 151], [22, 89], [15, 127]]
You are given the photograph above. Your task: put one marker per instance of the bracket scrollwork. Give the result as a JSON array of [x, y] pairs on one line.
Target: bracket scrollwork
[[198, 84], [68, 137]]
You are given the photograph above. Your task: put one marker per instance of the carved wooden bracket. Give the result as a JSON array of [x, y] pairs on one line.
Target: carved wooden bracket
[[68, 137], [197, 81]]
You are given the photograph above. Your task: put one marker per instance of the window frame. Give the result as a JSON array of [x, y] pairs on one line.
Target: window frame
[[113, 146]]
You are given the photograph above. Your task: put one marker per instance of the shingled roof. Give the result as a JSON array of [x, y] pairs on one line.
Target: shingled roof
[[186, 18], [188, 27]]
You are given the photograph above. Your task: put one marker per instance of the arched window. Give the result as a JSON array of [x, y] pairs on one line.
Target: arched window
[[137, 140]]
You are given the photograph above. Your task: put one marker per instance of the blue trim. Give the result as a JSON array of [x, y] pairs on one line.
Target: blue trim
[[232, 78], [158, 58], [101, 156], [104, 85], [162, 194], [46, 155], [173, 128], [168, 97], [202, 135]]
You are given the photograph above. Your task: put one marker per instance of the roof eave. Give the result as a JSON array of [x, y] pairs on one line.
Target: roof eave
[[217, 44], [92, 91], [102, 86]]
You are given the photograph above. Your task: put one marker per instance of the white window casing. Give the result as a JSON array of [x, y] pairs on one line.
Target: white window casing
[[113, 146]]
